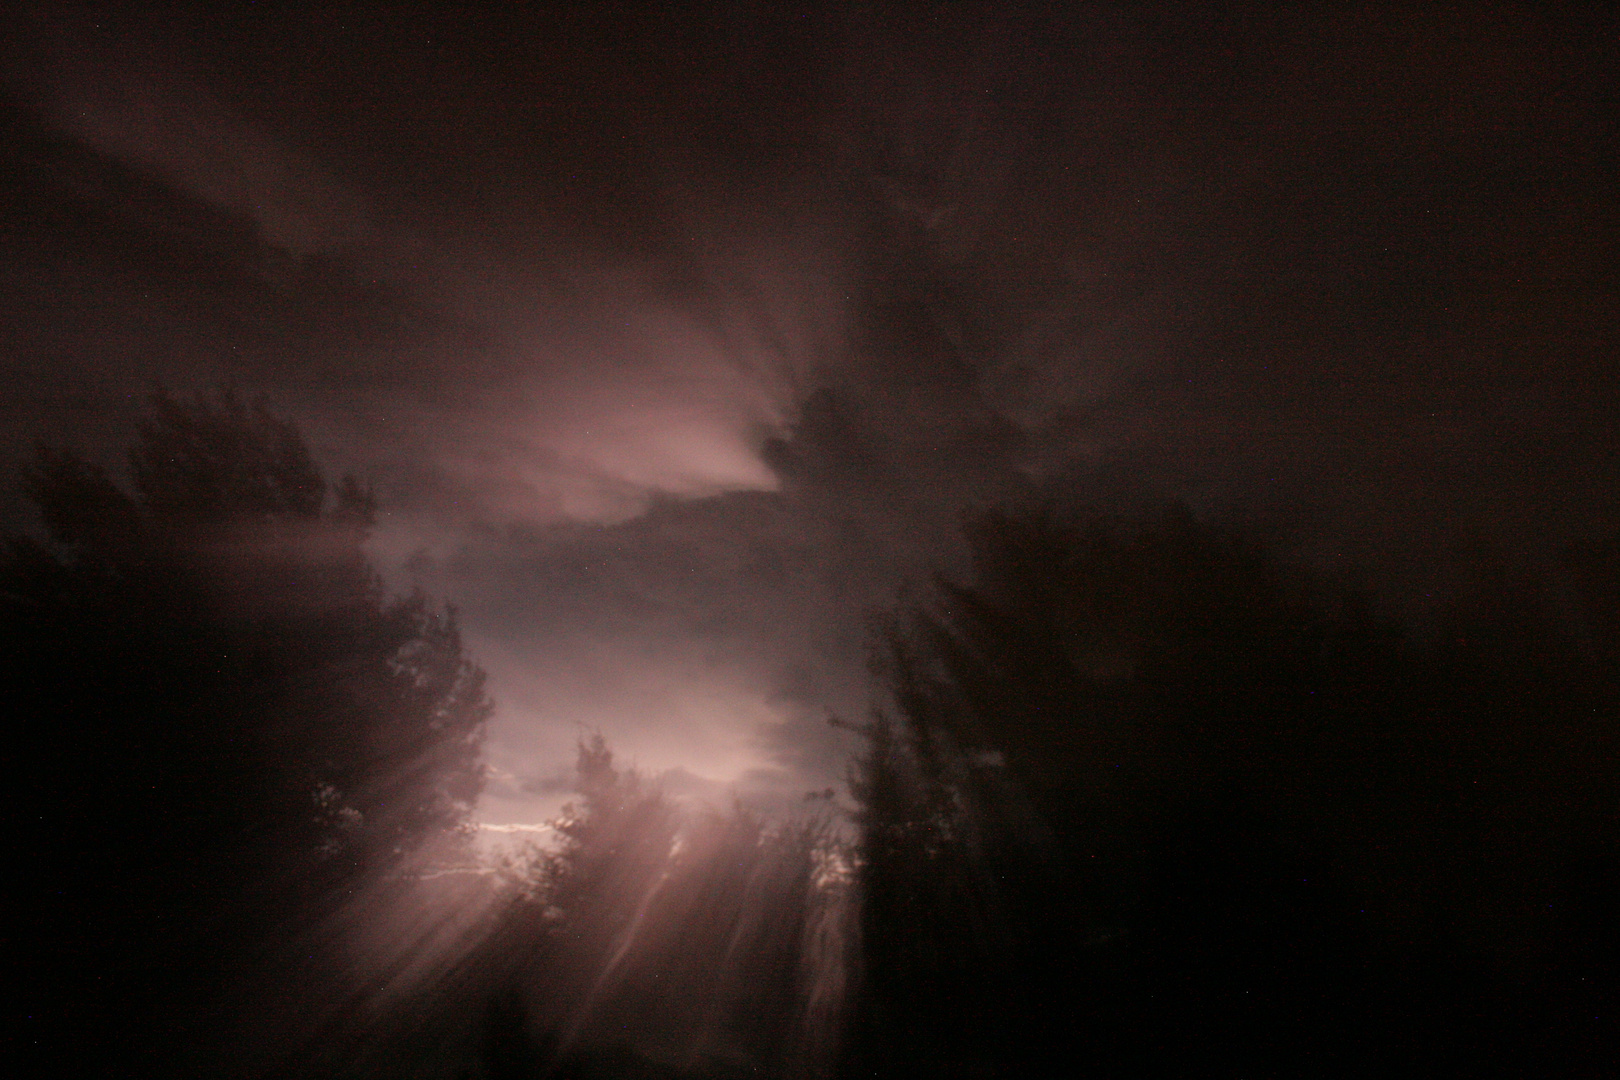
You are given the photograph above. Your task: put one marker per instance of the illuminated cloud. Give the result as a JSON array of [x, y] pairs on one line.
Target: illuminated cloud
[[667, 383]]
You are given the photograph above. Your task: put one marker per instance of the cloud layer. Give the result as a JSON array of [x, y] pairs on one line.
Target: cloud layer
[[674, 345]]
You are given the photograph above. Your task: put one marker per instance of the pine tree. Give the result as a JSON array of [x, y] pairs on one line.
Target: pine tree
[[223, 725]]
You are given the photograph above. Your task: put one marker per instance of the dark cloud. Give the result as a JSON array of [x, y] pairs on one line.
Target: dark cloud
[[673, 344]]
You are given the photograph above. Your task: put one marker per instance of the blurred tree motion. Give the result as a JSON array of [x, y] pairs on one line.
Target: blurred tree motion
[[1145, 798], [1140, 798], [651, 939], [223, 729], [676, 943]]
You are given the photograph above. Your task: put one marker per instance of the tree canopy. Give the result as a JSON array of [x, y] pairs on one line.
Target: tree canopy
[[1142, 791], [224, 725]]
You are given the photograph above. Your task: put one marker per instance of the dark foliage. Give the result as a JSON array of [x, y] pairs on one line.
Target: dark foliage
[[221, 730], [662, 941], [1148, 802], [650, 939]]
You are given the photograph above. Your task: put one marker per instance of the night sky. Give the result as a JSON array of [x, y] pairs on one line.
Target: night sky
[[673, 346]]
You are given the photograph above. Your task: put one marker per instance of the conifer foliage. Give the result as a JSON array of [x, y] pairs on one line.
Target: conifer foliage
[[1144, 796], [223, 727], [657, 938]]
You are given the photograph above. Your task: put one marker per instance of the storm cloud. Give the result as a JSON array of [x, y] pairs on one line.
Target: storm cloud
[[674, 346]]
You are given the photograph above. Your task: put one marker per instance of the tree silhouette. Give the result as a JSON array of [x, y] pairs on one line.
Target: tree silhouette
[[661, 939], [223, 728], [1143, 793]]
